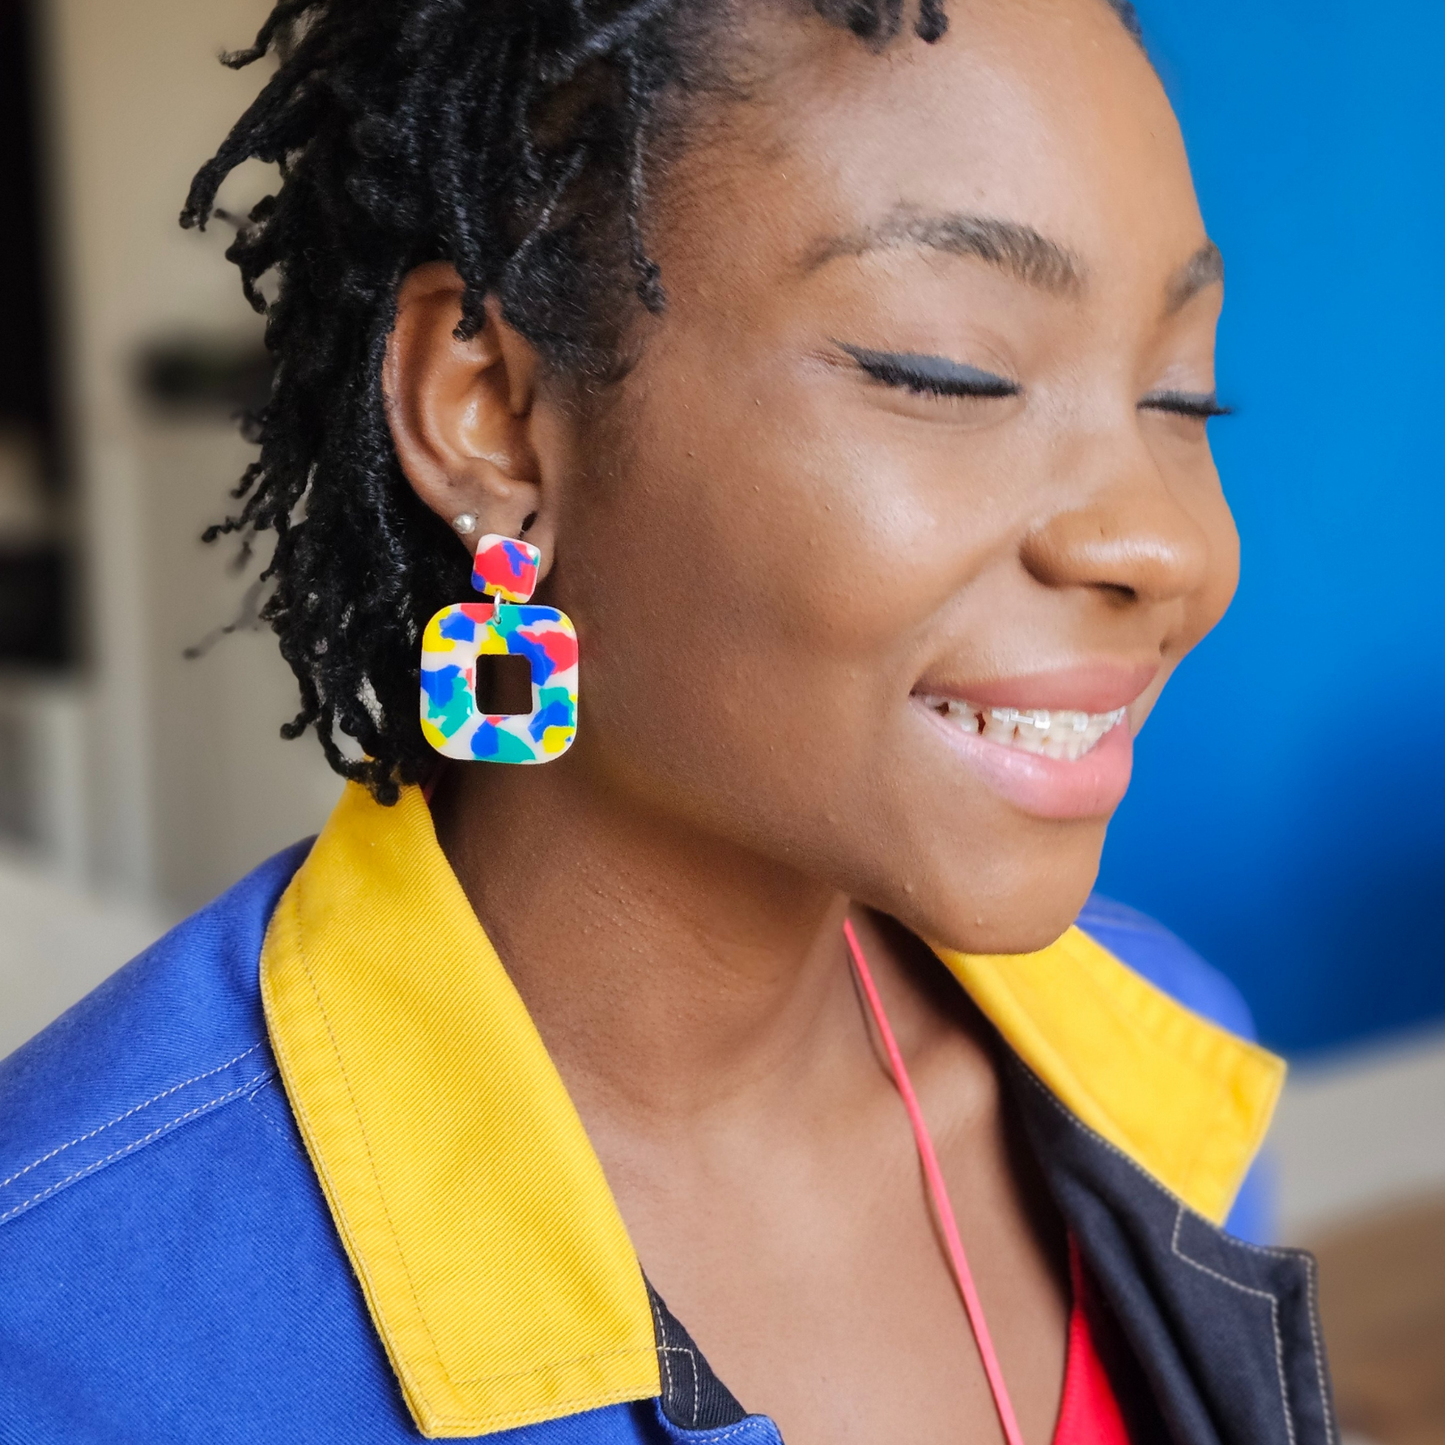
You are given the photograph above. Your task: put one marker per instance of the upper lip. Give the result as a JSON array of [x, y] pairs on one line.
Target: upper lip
[[1093, 687]]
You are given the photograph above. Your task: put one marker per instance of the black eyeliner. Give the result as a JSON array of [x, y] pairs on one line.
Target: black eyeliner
[[929, 375]]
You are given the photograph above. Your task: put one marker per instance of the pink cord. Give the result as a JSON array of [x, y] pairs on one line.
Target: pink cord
[[939, 1191]]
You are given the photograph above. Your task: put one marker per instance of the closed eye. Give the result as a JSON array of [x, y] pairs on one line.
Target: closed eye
[[929, 375], [1201, 404]]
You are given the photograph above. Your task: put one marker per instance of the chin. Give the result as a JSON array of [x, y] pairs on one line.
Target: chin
[[1016, 905]]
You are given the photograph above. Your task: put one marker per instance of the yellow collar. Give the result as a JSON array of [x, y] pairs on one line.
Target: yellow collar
[[492, 1255]]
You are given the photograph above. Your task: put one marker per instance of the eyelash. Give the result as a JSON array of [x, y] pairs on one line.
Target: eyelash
[[1186, 403], [920, 385], [891, 370]]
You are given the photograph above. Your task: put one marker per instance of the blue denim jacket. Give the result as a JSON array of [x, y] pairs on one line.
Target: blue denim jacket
[[177, 1263]]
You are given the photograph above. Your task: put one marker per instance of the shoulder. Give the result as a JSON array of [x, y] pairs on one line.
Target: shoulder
[[170, 1267], [1169, 963]]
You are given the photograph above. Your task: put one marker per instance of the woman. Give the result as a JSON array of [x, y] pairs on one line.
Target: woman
[[845, 371]]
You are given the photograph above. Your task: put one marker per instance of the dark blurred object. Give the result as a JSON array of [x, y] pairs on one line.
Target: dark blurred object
[[34, 605], [204, 375], [27, 397], [35, 621]]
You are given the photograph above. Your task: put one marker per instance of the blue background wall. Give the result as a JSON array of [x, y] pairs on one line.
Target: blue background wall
[[1288, 810]]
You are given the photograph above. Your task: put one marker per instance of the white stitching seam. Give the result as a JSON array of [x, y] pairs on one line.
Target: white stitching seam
[[121, 1118], [139, 1143], [715, 1437], [271, 1122], [1316, 1343], [1257, 1294], [1183, 1208], [735, 1430], [1318, 1348], [665, 1351], [662, 1349], [692, 1355]]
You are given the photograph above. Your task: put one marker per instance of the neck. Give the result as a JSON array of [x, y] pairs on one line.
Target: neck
[[670, 973]]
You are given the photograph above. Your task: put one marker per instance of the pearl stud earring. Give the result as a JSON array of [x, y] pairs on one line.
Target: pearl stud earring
[[466, 524]]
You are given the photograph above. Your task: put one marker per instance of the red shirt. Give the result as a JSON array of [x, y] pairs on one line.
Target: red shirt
[[1089, 1412]]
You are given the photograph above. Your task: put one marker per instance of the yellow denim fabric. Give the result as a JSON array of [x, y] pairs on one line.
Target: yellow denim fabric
[[494, 1261], [1179, 1095]]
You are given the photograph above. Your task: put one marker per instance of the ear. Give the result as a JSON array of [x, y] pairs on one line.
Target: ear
[[460, 411]]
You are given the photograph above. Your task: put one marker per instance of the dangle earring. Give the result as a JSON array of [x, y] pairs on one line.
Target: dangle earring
[[506, 570]]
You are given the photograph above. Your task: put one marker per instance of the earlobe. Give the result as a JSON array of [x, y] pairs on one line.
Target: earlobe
[[460, 409]]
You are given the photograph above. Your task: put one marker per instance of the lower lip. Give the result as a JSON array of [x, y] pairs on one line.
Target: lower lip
[[1088, 787]]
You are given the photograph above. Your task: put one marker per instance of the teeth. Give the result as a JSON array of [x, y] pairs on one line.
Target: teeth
[[1051, 732]]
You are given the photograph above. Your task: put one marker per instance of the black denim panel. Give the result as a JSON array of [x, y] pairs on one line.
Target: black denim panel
[[1132, 1390], [693, 1398], [1227, 1333], [1288, 1278]]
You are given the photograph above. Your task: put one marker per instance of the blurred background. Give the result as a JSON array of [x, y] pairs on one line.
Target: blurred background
[[1285, 817]]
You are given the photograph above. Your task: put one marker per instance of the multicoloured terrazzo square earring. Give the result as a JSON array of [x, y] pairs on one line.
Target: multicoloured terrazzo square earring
[[506, 570]]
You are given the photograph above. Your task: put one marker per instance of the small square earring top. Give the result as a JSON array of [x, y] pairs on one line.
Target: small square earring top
[[505, 568]]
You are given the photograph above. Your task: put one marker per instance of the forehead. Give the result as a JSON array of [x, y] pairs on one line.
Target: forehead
[[1039, 112]]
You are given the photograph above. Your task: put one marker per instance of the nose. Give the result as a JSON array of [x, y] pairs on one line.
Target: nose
[[1132, 540]]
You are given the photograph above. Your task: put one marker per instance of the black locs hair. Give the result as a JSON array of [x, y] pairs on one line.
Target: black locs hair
[[505, 136]]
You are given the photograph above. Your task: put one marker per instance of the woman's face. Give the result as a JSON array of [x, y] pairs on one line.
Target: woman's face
[[916, 441]]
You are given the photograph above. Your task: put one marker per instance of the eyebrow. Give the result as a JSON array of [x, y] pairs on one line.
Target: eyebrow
[[1204, 268], [1018, 249]]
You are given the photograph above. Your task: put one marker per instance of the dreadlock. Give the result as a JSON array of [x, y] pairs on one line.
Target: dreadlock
[[508, 137]]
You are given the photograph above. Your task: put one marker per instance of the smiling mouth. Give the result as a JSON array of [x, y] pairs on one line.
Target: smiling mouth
[[1063, 733]]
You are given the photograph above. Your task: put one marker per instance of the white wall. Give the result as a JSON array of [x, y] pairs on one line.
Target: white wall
[[187, 783], [58, 942], [1361, 1131]]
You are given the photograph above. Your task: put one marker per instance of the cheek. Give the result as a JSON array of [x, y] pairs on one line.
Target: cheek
[[749, 585], [756, 589]]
